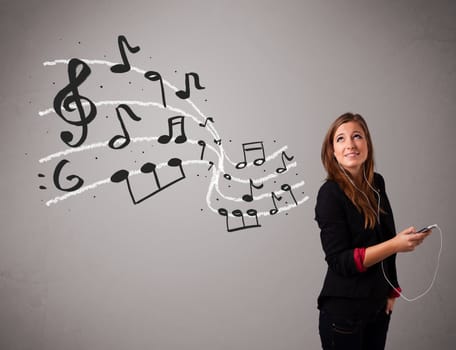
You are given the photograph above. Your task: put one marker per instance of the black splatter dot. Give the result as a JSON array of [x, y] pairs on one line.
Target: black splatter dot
[[101, 86]]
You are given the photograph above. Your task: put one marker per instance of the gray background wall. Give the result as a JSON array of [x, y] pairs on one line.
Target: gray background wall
[[96, 272]]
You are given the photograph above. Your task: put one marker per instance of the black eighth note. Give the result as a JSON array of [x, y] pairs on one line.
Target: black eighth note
[[239, 214], [125, 65], [249, 197], [147, 168], [179, 121], [184, 94], [154, 76]]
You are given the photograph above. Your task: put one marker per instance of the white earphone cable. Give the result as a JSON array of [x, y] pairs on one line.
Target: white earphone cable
[[378, 218]]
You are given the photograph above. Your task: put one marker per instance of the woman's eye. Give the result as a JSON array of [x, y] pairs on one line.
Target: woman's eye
[[357, 136], [339, 139]]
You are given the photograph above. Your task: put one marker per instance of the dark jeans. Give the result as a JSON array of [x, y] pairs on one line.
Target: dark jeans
[[340, 333]]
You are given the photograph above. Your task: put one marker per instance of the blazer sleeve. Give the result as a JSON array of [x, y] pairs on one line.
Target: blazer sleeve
[[335, 235]]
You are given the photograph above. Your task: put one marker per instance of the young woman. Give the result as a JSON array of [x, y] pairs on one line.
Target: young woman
[[359, 240]]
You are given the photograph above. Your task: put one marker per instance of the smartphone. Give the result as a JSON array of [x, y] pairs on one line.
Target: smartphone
[[430, 227]]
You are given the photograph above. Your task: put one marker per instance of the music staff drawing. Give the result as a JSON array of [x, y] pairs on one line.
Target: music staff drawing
[[210, 151]]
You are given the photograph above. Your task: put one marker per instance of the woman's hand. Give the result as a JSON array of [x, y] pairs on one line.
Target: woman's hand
[[408, 239], [390, 305]]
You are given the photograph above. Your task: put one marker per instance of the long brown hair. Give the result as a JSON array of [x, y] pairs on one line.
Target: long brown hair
[[336, 173]]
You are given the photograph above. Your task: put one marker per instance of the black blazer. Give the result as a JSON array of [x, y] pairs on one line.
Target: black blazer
[[342, 230]]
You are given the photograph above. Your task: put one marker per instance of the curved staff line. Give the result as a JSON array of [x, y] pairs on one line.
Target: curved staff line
[[129, 102], [268, 158], [135, 69], [108, 180], [214, 183], [215, 177]]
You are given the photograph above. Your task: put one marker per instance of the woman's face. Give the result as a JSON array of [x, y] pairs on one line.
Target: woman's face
[[350, 147]]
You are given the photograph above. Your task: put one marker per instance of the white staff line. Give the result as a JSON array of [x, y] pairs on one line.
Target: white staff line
[[137, 172], [133, 68]]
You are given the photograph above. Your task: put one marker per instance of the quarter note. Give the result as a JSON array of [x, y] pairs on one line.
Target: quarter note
[[274, 197], [249, 197], [125, 65], [287, 188], [184, 94], [123, 175], [114, 142], [284, 168], [239, 214], [252, 147], [205, 123], [174, 121], [69, 97], [154, 76], [203, 146]]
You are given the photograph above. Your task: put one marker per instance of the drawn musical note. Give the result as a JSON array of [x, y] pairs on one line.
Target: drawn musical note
[[147, 168], [125, 137], [211, 164], [154, 76], [69, 97], [203, 146], [178, 120], [125, 65], [252, 147], [284, 168], [287, 188], [218, 142], [227, 176], [184, 94], [58, 170], [239, 213], [249, 197], [205, 123], [274, 197]]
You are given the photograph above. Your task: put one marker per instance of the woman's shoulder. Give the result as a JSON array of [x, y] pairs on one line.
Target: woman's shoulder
[[379, 180], [329, 188]]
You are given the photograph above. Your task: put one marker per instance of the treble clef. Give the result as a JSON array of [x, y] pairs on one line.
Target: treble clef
[[70, 99]]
